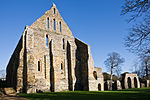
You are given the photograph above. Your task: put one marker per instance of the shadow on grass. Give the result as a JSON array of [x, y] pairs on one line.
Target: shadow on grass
[[130, 94]]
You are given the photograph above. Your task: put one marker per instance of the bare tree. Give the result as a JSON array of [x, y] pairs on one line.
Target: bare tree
[[146, 65], [113, 63], [135, 8], [138, 68], [138, 40], [135, 67]]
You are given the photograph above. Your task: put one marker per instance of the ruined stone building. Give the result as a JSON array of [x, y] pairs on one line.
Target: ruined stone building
[[130, 81], [49, 58]]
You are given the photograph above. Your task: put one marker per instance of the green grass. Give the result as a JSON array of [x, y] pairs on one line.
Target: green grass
[[129, 94]]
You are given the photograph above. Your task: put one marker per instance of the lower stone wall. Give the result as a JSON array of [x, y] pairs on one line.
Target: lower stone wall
[[13, 65], [82, 65], [86, 68]]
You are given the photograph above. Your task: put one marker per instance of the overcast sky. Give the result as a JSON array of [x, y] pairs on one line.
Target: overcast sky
[[96, 22]]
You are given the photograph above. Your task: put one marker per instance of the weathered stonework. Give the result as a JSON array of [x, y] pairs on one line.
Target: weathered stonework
[[108, 86], [49, 58], [130, 81], [117, 85]]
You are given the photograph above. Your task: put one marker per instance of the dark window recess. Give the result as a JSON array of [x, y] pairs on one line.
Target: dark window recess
[[39, 69], [47, 23], [62, 66], [54, 25], [59, 26], [63, 44], [54, 11], [46, 40]]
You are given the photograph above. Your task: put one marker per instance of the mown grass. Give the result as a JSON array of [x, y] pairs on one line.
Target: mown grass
[[129, 94]]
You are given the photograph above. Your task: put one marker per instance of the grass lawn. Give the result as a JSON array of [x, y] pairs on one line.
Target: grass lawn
[[129, 94]]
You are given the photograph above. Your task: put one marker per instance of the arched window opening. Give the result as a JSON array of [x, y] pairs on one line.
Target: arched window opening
[[46, 40], [95, 75], [63, 44], [54, 11], [39, 69], [47, 23], [59, 26], [54, 27]]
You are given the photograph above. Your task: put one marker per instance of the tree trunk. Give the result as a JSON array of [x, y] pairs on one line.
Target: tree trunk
[[111, 77], [146, 69]]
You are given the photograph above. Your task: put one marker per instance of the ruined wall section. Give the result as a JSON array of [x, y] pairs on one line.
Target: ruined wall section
[[57, 43], [45, 22], [20, 70], [130, 81], [13, 65], [85, 69], [100, 79], [15, 69], [82, 66]]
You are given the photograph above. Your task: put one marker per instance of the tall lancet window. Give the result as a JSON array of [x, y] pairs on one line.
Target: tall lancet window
[[54, 11], [39, 69], [47, 23], [63, 44], [46, 40], [54, 25], [59, 26]]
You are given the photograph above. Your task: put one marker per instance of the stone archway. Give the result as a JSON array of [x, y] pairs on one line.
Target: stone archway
[[135, 82], [129, 82], [99, 87]]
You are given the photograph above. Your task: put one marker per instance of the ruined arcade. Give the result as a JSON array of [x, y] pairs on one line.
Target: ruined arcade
[[49, 58]]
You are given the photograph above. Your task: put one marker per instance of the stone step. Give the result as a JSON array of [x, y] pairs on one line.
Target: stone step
[[7, 91], [10, 91]]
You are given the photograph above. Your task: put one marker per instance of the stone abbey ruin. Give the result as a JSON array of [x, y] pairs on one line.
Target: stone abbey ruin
[[49, 58]]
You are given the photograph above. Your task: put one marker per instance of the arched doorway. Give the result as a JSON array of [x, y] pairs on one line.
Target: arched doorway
[[129, 82], [99, 87], [135, 82]]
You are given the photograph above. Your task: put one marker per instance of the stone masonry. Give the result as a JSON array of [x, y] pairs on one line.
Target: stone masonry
[[130, 81], [49, 58]]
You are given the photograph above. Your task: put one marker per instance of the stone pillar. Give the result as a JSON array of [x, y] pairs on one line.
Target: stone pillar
[[147, 83], [30, 67], [73, 62], [118, 85], [132, 82]]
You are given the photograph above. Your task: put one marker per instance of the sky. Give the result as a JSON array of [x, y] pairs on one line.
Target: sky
[[96, 22]]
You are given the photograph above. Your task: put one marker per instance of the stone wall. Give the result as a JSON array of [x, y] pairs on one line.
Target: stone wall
[[117, 85], [42, 22], [100, 79], [82, 65], [87, 81], [13, 65]]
